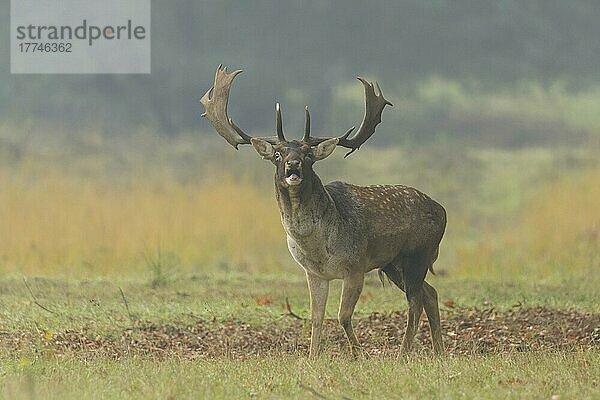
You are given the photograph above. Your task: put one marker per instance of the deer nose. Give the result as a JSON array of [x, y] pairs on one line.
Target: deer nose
[[293, 164]]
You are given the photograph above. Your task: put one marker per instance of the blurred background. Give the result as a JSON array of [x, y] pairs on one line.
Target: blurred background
[[496, 115]]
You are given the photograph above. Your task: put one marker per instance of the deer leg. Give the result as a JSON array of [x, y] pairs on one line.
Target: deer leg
[[319, 289], [430, 303], [395, 275], [433, 316], [415, 309], [413, 279], [351, 290]]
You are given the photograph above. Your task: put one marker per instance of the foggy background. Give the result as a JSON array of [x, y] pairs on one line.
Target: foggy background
[[429, 56]]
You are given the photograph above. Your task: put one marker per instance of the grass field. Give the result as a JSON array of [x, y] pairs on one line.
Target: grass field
[[150, 272], [514, 376], [66, 338]]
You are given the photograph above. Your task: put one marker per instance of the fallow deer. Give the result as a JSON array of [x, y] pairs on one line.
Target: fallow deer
[[343, 231]]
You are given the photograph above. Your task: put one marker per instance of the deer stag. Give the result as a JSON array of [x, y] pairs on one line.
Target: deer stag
[[339, 230]]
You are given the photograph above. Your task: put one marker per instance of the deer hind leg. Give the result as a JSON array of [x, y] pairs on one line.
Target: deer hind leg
[[432, 308], [433, 316], [319, 289], [408, 272], [394, 274], [430, 303], [414, 295], [351, 291]]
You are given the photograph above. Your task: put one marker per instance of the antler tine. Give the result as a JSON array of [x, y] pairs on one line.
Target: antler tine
[[279, 123], [215, 102], [374, 105], [306, 137]]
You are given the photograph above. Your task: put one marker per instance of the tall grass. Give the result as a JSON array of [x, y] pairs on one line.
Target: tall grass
[[556, 234], [94, 205], [57, 223]]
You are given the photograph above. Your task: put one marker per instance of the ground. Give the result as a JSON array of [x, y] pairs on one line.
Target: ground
[[230, 335]]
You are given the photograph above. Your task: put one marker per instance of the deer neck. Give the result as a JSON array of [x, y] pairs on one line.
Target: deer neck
[[304, 208]]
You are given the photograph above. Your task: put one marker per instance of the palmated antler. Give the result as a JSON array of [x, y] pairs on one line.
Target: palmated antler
[[215, 104], [374, 105]]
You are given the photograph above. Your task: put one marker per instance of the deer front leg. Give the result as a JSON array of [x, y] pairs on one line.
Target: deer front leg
[[351, 290], [319, 289]]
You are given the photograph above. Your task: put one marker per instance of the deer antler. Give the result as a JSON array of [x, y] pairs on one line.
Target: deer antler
[[216, 98], [374, 105], [215, 104]]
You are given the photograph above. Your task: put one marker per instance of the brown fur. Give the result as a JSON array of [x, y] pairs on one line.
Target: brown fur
[[342, 231]]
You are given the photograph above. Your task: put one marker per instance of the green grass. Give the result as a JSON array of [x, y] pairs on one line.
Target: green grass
[[187, 298], [512, 376], [97, 306]]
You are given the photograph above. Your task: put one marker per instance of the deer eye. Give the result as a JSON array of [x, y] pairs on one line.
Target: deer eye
[[277, 156]]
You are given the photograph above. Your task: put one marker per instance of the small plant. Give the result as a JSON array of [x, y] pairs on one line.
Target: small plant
[[161, 267]]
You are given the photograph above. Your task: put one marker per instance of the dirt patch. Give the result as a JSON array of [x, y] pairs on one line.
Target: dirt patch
[[467, 331]]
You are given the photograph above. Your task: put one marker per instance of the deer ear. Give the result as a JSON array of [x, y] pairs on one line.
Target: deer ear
[[262, 147], [324, 149]]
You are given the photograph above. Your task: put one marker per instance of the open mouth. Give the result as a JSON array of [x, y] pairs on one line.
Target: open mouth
[[293, 177]]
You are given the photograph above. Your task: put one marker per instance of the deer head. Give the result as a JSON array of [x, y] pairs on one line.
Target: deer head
[[293, 159]]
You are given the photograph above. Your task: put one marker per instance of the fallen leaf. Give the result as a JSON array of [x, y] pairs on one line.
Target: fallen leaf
[[263, 300], [48, 336], [450, 304]]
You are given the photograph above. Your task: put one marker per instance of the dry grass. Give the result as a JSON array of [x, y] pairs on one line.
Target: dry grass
[[92, 205], [557, 233], [56, 223], [60, 224]]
